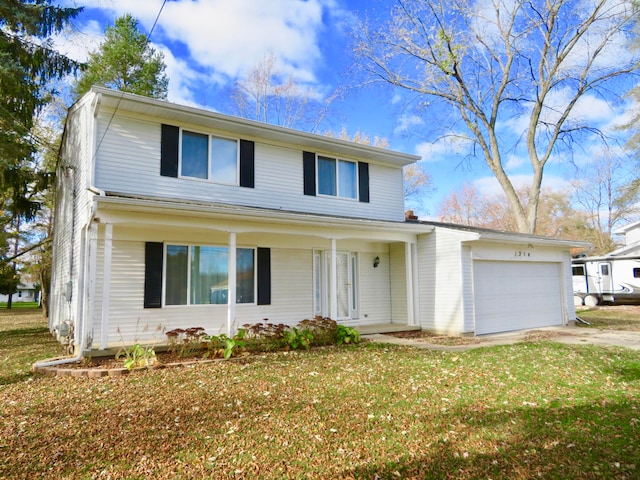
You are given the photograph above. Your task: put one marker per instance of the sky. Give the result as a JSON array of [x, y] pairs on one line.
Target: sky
[[210, 44]]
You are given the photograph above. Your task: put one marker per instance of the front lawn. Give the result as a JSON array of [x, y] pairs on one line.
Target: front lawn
[[24, 339], [531, 410]]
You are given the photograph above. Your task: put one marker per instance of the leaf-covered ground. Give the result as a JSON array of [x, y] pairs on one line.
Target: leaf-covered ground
[[531, 410]]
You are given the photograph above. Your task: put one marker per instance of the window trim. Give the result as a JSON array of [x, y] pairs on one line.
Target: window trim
[[214, 305], [209, 136], [337, 160]]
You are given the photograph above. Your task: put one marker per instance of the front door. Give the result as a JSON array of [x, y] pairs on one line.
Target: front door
[[346, 284]]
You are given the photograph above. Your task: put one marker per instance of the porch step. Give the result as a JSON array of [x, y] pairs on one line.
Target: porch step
[[386, 328]]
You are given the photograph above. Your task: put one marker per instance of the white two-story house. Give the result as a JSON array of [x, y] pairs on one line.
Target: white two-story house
[[170, 216]]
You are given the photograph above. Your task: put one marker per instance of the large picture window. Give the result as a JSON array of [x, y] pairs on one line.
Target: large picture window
[[199, 275], [337, 178], [208, 157]]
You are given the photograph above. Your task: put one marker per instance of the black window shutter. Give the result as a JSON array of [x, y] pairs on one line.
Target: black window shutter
[[153, 257], [363, 181], [264, 276], [247, 163], [309, 172], [169, 151]]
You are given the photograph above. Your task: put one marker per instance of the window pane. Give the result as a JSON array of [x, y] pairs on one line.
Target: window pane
[[224, 160], [326, 176], [347, 179], [245, 275], [209, 275], [194, 154], [176, 274]]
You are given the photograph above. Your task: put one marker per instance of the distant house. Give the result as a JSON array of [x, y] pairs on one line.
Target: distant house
[[171, 216], [25, 292]]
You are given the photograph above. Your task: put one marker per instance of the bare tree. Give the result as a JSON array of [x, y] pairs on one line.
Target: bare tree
[[418, 186], [266, 95], [556, 217], [603, 190], [500, 63]]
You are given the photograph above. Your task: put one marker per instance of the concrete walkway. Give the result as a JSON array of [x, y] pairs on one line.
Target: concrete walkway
[[570, 335]]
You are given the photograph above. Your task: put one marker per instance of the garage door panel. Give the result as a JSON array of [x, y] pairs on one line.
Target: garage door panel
[[516, 295]]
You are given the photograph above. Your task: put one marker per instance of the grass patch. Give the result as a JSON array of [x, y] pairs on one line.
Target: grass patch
[[20, 305], [618, 317], [530, 410], [24, 339]]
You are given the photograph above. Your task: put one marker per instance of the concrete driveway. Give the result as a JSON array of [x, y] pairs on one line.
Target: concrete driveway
[[570, 335]]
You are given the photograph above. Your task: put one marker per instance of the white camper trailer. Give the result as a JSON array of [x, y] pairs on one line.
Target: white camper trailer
[[606, 279]]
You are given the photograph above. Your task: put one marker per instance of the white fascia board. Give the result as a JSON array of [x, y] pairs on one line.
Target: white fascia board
[[123, 209], [172, 112], [533, 240]]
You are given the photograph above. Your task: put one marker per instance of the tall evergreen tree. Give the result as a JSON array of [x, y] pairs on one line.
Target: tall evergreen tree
[[28, 63], [125, 61]]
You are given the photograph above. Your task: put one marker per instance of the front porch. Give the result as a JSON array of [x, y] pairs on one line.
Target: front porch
[[386, 328]]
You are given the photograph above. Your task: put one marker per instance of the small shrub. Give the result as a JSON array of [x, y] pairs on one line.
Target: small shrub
[[137, 356], [347, 335], [297, 339], [224, 346]]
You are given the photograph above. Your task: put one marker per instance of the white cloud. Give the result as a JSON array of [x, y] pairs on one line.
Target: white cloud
[[405, 122], [213, 42], [447, 146], [514, 162]]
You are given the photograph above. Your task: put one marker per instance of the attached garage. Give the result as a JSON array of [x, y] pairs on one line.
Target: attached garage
[[516, 296], [475, 281]]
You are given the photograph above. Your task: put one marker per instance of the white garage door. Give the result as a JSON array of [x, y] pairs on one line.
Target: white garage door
[[516, 295]]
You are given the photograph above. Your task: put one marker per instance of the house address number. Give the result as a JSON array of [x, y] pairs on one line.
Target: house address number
[[522, 253]]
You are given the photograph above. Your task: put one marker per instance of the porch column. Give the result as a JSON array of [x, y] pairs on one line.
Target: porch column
[[231, 284], [408, 261], [416, 285], [106, 285], [333, 282]]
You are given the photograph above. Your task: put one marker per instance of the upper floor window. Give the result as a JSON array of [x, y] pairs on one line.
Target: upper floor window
[[189, 154], [334, 177], [338, 178], [208, 157]]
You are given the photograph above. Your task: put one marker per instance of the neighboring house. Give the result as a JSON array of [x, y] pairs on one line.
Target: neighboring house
[[25, 292], [171, 216]]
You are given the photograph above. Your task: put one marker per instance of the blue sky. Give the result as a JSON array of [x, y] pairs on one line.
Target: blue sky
[[209, 44]]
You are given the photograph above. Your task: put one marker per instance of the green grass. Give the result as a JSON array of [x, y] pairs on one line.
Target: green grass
[[24, 339], [530, 410], [619, 317], [20, 305]]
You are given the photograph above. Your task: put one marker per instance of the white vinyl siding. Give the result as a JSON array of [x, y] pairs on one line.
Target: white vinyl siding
[[398, 283], [72, 214], [440, 280], [375, 291], [128, 161]]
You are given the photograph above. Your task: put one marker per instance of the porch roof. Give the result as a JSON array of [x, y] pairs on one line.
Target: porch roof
[[123, 206]]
